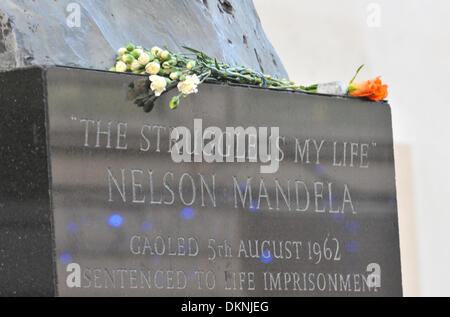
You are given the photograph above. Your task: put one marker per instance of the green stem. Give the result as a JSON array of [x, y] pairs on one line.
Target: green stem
[[357, 72]]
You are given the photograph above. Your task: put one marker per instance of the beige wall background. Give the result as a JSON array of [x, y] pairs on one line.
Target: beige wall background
[[407, 42]]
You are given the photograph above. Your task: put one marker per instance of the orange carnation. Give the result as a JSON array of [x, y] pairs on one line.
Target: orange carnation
[[372, 89]]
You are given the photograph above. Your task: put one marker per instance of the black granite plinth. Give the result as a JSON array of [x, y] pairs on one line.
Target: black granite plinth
[[92, 203]]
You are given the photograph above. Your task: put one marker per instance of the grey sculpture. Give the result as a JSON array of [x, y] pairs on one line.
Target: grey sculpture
[[49, 32]]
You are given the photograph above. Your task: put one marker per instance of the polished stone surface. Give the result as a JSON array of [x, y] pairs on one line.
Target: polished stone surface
[[124, 226]]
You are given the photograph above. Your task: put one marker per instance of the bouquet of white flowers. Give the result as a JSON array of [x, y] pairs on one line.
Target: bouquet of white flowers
[[186, 71]]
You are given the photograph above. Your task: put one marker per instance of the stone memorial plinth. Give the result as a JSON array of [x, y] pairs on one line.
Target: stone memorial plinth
[[93, 204]]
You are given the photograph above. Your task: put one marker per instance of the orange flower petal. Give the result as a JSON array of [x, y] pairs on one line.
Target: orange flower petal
[[372, 89]]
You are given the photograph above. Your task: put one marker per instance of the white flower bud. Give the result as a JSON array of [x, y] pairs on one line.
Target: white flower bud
[[144, 59], [190, 65], [155, 50], [152, 68], [122, 51], [135, 65], [158, 85], [174, 75], [121, 67], [164, 55]]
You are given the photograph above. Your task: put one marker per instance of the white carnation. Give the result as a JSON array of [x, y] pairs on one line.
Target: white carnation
[[144, 59], [189, 86], [174, 75], [164, 55], [135, 65], [127, 58], [158, 84], [152, 68], [155, 50], [121, 67], [122, 50]]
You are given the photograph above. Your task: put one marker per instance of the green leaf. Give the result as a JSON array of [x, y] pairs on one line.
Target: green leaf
[[198, 53], [192, 50]]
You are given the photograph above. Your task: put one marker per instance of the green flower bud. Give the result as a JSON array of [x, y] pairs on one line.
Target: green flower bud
[[174, 103], [136, 54], [168, 81], [130, 47], [182, 77], [173, 62], [128, 58], [161, 72]]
